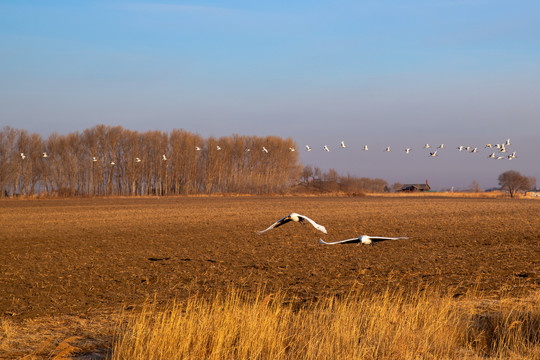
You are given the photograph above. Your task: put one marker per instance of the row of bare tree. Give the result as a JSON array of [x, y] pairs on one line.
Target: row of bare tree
[[106, 160], [331, 181]]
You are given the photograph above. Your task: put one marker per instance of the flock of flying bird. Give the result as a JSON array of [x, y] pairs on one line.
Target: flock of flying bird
[[363, 239], [500, 148]]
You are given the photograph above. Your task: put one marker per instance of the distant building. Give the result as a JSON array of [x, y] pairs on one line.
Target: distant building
[[416, 187], [533, 193]]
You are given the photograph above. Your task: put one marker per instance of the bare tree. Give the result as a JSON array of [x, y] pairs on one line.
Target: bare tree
[[307, 173], [9, 161], [513, 182], [474, 187], [108, 160], [396, 186]]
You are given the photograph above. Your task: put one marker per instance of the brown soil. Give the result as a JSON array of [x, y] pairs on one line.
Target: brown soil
[[82, 257]]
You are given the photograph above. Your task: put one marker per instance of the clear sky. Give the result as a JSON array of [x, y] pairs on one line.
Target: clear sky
[[381, 73]]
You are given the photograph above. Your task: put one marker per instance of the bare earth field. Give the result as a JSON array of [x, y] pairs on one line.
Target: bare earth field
[[68, 265]]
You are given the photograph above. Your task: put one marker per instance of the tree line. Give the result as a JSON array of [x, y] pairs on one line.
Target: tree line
[[106, 160]]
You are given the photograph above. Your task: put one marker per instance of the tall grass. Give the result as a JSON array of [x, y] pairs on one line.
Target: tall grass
[[392, 325]]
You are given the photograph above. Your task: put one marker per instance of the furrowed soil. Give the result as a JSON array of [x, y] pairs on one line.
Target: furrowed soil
[[66, 265]]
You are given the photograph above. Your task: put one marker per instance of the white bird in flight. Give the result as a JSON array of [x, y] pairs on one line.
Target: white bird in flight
[[137, 160], [94, 159], [296, 218], [407, 150], [364, 239], [426, 146], [326, 148], [387, 149], [164, 157], [197, 148], [434, 153], [265, 150], [45, 155], [343, 146], [308, 148], [218, 147], [441, 146], [23, 156], [292, 149], [365, 148]]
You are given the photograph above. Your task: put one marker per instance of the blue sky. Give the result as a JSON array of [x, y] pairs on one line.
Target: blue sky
[[381, 73]]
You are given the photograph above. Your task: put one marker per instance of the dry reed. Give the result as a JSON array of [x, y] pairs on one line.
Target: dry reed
[[392, 325]]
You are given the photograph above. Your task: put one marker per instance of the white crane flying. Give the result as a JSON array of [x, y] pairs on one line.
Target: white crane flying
[[364, 239], [296, 218]]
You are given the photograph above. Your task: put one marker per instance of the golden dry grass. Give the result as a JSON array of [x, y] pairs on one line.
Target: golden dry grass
[[360, 325]]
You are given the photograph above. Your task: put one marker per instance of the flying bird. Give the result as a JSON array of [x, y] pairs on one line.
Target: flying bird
[[45, 155], [163, 157], [365, 148], [326, 148], [94, 159], [137, 160], [407, 150], [491, 156], [197, 148], [364, 239], [507, 143], [434, 153], [218, 147], [308, 148], [426, 146], [441, 146], [387, 149], [343, 146], [296, 218], [460, 148], [23, 156], [474, 150], [265, 150], [292, 149]]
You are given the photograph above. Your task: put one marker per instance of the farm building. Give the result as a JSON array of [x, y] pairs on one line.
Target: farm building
[[533, 193], [416, 187]]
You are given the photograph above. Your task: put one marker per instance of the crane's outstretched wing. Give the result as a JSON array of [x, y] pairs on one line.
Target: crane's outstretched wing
[[352, 241], [374, 239], [280, 222], [315, 225], [384, 238]]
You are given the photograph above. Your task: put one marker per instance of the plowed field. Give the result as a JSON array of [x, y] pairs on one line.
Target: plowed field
[[78, 257]]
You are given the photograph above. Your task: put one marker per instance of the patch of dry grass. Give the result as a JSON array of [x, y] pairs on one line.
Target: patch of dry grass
[[391, 325], [64, 337]]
